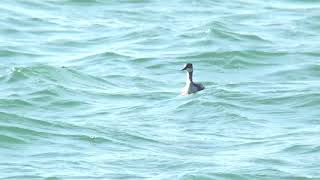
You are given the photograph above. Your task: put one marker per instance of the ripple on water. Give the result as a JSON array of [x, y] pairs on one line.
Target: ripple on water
[[93, 87]]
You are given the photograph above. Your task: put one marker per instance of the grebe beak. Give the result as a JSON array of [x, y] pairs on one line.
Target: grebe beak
[[184, 68]]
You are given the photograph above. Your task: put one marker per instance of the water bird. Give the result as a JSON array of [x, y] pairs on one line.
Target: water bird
[[190, 87]]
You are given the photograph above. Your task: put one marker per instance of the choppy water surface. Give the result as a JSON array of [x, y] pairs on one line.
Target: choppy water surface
[[89, 89]]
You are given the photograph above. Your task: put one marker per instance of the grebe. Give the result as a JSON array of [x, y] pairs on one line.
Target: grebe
[[190, 87]]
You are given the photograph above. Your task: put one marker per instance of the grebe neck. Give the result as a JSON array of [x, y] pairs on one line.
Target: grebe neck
[[189, 77]]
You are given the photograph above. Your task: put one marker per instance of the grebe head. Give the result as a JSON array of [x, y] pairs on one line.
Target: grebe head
[[188, 67]]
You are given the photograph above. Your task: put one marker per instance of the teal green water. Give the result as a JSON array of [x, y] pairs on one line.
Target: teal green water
[[89, 89]]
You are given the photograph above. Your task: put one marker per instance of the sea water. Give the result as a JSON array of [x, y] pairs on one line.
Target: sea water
[[90, 89]]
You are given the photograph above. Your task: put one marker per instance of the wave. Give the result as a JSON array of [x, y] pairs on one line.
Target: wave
[[244, 59], [46, 75], [5, 139], [98, 56], [19, 53], [267, 173], [25, 130], [221, 31], [241, 54], [93, 86]]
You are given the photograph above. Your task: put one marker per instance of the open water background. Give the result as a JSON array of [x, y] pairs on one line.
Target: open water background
[[89, 89]]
